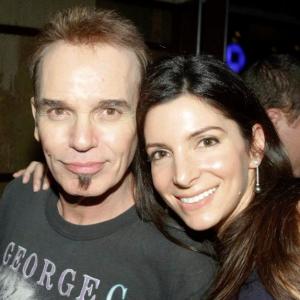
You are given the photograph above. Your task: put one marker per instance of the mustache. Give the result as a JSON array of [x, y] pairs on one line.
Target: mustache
[[84, 181]]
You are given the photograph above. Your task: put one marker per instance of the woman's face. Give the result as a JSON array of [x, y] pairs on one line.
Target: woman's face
[[200, 162]]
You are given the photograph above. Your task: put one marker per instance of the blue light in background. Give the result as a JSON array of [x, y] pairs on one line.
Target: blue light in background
[[235, 57]]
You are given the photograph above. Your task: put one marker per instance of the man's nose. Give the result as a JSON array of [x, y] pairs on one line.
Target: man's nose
[[83, 135]]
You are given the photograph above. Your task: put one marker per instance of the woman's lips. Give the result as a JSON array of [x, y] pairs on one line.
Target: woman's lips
[[84, 168], [199, 197], [197, 201]]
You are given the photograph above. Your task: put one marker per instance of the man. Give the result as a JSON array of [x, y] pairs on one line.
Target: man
[[82, 239], [276, 82]]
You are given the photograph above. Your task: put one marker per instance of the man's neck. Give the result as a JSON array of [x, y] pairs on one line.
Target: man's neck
[[92, 210]]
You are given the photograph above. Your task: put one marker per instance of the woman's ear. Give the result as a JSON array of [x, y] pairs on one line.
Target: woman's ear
[[258, 146]]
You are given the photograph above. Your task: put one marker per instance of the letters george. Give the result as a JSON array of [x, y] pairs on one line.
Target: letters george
[[19, 260]]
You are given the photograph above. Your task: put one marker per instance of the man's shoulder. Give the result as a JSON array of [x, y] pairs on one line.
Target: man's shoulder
[[149, 233], [17, 183], [19, 205], [183, 271], [17, 191], [153, 241]]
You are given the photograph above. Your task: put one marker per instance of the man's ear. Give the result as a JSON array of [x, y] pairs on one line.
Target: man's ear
[[34, 113], [275, 115], [258, 146]]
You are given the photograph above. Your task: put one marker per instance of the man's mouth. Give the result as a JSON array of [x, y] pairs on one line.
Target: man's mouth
[[84, 168]]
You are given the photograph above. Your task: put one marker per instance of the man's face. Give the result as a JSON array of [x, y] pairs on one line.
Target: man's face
[[85, 116], [289, 133]]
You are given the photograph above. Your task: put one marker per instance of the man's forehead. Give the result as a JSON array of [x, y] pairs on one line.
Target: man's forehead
[[94, 54], [99, 72]]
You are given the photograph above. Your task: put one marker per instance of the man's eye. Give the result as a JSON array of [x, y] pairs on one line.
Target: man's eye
[[109, 113], [57, 113]]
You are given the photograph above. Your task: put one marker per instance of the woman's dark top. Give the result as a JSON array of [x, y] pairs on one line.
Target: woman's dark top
[[254, 289]]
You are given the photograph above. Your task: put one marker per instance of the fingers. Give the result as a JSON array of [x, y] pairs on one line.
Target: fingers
[[18, 173], [25, 173], [46, 183], [38, 172], [38, 176]]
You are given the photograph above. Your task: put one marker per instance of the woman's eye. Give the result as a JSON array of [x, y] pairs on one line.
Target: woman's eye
[[208, 142], [157, 155]]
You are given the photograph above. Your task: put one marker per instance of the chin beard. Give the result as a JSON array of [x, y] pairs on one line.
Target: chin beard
[[84, 181]]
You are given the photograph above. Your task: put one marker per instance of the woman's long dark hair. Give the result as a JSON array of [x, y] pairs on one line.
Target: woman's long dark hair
[[265, 236]]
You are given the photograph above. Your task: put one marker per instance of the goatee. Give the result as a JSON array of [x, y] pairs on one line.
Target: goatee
[[84, 181]]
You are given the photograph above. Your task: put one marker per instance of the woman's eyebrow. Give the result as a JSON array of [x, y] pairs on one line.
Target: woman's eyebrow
[[194, 134], [155, 145], [204, 129]]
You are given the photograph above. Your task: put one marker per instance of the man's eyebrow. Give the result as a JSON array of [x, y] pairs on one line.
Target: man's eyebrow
[[50, 102], [104, 103]]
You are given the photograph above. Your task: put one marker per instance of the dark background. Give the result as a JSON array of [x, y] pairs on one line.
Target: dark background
[[260, 27]]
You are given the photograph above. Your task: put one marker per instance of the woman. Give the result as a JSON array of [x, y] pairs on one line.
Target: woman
[[217, 162]]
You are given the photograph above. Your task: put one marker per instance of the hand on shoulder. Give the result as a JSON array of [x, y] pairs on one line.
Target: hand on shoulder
[[38, 171]]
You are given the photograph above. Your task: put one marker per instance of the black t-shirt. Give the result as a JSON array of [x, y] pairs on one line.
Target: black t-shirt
[[45, 257]]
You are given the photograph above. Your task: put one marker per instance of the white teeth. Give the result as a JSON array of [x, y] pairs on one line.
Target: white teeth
[[199, 197]]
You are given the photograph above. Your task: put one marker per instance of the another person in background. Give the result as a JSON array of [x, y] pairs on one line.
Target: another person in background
[[82, 238], [211, 152], [276, 82]]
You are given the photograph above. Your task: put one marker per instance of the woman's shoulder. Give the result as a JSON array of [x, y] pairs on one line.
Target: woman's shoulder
[[254, 289]]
